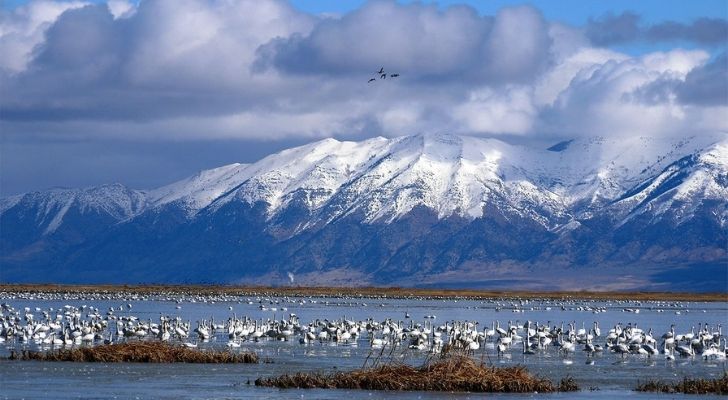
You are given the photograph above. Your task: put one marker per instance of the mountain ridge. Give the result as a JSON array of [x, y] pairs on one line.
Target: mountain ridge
[[389, 210]]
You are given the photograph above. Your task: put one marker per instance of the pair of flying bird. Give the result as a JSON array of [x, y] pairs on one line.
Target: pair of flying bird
[[382, 75]]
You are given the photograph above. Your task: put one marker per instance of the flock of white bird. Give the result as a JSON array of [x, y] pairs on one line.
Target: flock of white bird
[[87, 325]]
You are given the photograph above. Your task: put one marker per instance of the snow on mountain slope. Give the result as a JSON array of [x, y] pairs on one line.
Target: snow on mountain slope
[[383, 179], [333, 207], [198, 191], [115, 201], [681, 188], [9, 202], [386, 178], [448, 174], [596, 171], [710, 182], [314, 171]]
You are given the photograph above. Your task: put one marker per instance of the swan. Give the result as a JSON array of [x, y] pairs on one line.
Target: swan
[[713, 353], [57, 341], [568, 346], [527, 349], [89, 337], [620, 348], [501, 347], [650, 350], [489, 333], [685, 351], [668, 352], [502, 332]]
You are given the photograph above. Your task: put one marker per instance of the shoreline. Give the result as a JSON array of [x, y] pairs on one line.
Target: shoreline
[[364, 292]]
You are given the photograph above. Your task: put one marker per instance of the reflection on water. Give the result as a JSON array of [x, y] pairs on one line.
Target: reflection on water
[[613, 374]]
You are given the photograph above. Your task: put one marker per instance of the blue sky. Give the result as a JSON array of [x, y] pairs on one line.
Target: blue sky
[[160, 89]]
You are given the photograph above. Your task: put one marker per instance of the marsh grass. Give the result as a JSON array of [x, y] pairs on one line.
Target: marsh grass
[[688, 386], [448, 373], [141, 352]]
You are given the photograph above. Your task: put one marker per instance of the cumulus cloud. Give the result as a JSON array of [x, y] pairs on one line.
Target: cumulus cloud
[[204, 69], [509, 110], [166, 59], [518, 46], [426, 42], [610, 29], [705, 85], [121, 8], [602, 100], [416, 38], [22, 29], [626, 27], [702, 30]]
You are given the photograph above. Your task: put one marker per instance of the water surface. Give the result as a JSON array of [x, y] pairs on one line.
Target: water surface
[[608, 374]]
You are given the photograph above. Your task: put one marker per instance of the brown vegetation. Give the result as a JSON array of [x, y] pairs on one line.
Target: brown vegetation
[[688, 386], [451, 374], [145, 352], [395, 292]]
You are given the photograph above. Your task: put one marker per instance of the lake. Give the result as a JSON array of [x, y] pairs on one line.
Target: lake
[[600, 375]]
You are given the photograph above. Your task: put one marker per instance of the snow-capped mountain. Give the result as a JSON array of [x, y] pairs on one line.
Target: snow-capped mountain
[[436, 208], [115, 202]]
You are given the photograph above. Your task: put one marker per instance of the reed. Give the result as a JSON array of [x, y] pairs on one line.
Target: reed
[[452, 373], [142, 352], [393, 292], [688, 386]]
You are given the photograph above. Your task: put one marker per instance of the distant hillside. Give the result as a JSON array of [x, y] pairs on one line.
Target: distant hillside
[[423, 210]]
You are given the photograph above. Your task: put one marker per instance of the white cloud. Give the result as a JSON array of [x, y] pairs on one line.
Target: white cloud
[[202, 44], [599, 99], [22, 29], [413, 37], [581, 63], [246, 69], [518, 45], [121, 8], [508, 110], [400, 118]]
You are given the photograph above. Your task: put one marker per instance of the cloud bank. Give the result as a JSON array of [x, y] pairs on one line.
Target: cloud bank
[[626, 27], [194, 68], [175, 70]]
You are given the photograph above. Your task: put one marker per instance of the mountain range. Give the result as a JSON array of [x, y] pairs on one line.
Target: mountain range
[[438, 210]]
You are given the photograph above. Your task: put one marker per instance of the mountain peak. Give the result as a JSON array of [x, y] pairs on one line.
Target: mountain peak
[[423, 206], [385, 179]]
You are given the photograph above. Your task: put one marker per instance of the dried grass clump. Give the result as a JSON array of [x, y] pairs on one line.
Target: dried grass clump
[[456, 373], [688, 386], [145, 352]]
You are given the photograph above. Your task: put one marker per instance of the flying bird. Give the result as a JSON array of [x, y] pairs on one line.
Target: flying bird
[[382, 75]]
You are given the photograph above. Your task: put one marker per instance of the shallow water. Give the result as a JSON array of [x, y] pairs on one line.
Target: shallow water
[[612, 374]]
